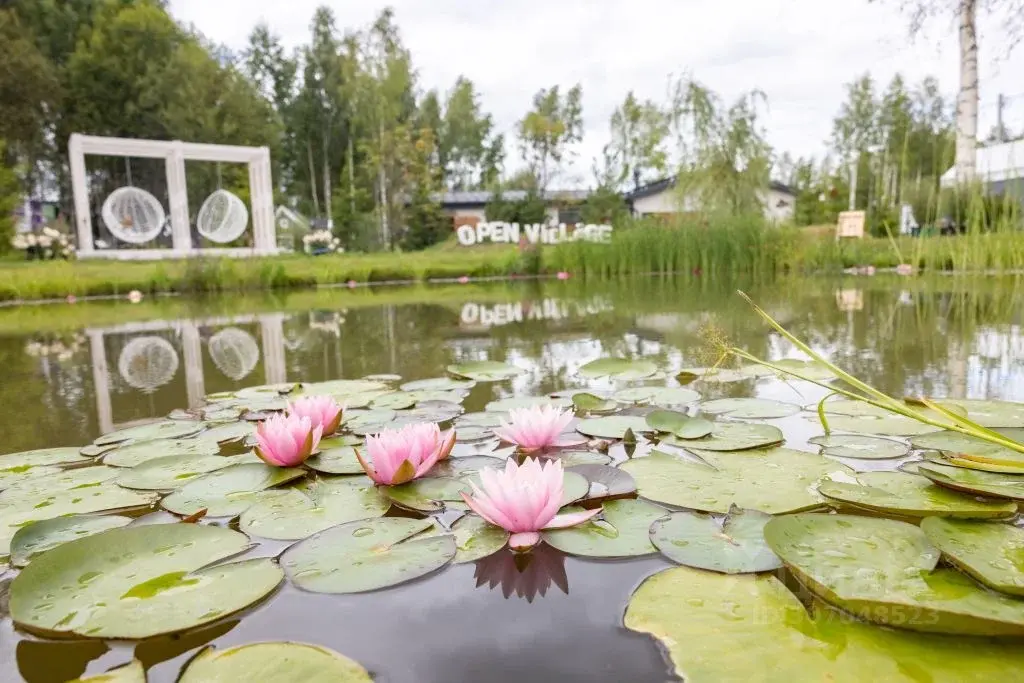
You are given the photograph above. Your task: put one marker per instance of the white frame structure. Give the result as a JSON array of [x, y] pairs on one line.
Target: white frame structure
[[175, 153]]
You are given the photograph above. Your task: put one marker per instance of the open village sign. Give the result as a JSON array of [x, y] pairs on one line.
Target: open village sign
[[537, 233]]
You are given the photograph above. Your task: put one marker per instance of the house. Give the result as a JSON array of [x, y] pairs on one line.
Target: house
[[469, 208], [1000, 166], [660, 198]]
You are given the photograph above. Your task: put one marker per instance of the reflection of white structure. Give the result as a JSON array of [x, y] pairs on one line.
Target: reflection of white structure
[[147, 363], [495, 315], [271, 331], [234, 352], [142, 227]]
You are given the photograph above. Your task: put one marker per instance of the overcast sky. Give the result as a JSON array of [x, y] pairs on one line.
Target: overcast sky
[[799, 52]]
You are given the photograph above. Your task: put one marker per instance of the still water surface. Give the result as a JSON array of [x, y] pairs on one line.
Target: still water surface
[[561, 618]]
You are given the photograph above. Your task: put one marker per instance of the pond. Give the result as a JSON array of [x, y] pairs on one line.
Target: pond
[[75, 373]]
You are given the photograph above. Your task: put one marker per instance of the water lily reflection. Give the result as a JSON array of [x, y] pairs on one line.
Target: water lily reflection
[[523, 575], [535, 428]]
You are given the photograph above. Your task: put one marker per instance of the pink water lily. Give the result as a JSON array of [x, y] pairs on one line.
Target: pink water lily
[[321, 410], [397, 456], [535, 427], [287, 440], [524, 500]]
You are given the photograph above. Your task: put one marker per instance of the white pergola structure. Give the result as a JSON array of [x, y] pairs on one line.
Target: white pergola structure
[[175, 153]]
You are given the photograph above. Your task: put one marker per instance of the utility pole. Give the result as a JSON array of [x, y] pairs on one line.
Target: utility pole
[[1000, 130]]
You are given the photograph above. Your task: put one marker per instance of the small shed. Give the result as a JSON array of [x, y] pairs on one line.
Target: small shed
[[660, 198]]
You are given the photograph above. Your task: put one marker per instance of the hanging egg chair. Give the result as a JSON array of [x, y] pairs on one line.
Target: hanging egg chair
[[147, 363], [133, 215], [222, 217], [234, 352]]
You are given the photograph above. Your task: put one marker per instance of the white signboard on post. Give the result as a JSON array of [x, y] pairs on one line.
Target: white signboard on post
[[537, 233]]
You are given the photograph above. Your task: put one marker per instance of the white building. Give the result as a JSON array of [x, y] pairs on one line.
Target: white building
[[660, 198], [1000, 166]]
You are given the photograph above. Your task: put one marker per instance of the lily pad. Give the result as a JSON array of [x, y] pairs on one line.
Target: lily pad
[[483, 420], [893, 425], [463, 465], [733, 545], [132, 672], [169, 429], [396, 400], [19, 473], [716, 627], [592, 403], [605, 481], [680, 424], [475, 538], [622, 531], [485, 370], [367, 555], [716, 375], [860, 447], [659, 396], [883, 570], [613, 426], [92, 450], [342, 387], [340, 441], [506, 404], [229, 432], [990, 413], [574, 458], [274, 390], [87, 587], [977, 482], [438, 384], [41, 457], [37, 487], [276, 662], [809, 369], [138, 453], [427, 495], [749, 408], [16, 513], [340, 460], [733, 436], [910, 495], [619, 369], [368, 421], [966, 447], [991, 553], [39, 537], [777, 481], [228, 492], [314, 506], [174, 471]]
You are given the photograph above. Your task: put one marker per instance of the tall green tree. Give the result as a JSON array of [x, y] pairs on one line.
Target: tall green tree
[[468, 148], [637, 150], [549, 129]]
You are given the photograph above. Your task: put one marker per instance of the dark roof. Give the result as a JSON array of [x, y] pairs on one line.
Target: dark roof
[[479, 198], [658, 186]]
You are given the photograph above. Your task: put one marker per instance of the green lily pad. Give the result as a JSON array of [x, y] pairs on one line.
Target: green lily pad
[[341, 388], [993, 484], [733, 436], [427, 495], [169, 429], [138, 453], [174, 471], [368, 421], [749, 408], [612, 426], [733, 545], [473, 434], [132, 672], [274, 390], [276, 662], [622, 531], [990, 413], [485, 420], [910, 495], [367, 555], [679, 424], [619, 369], [38, 487], [717, 375], [883, 570], [39, 537], [574, 458], [396, 400], [659, 396], [991, 553], [340, 441], [13, 475], [92, 450], [860, 447], [228, 492], [485, 370], [340, 460], [716, 627], [776, 481], [605, 481], [314, 506], [87, 587], [463, 465], [809, 369], [592, 403], [475, 538], [41, 457], [18, 512], [438, 384], [229, 432], [894, 425], [970, 448], [517, 402]]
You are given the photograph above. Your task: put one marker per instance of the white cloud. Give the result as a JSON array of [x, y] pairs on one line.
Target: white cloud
[[799, 52]]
